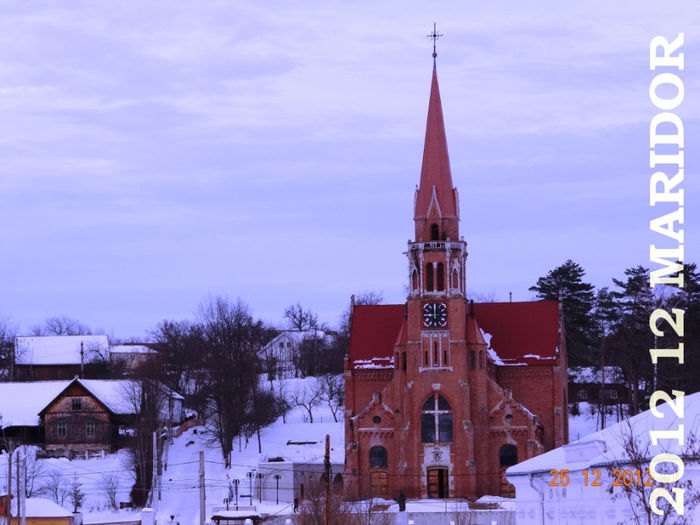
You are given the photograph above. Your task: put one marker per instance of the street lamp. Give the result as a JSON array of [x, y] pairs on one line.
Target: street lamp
[[260, 478], [250, 479], [235, 489], [277, 489]]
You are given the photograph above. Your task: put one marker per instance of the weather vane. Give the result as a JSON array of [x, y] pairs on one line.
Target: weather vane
[[434, 35]]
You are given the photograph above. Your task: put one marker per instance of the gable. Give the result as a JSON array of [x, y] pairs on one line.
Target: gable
[[74, 389]]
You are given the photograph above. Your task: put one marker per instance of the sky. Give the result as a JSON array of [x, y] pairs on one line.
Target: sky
[[154, 154]]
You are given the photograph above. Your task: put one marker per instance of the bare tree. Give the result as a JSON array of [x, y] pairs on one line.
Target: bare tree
[[308, 397], [636, 458], [232, 343], [7, 347], [182, 349], [147, 399], [34, 471], [332, 387], [110, 485], [55, 487], [300, 319], [60, 325]]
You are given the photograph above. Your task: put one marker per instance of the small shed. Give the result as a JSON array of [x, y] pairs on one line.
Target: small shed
[[42, 511], [230, 517]]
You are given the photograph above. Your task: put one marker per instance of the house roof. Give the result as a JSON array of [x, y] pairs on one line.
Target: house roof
[[608, 445], [375, 328], [59, 349], [519, 333], [42, 508], [131, 349], [298, 336], [21, 402]]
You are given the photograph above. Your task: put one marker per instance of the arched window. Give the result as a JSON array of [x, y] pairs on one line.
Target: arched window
[[455, 279], [414, 280], [403, 361], [377, 457], [440, 277], [436, 420], [508, 455], [429, 277], [434, 232]]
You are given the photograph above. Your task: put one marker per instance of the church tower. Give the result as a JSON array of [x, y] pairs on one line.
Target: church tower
[[432, 407]]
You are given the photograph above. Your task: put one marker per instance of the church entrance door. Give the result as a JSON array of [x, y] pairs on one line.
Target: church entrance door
[[437, 483], [378, 484]]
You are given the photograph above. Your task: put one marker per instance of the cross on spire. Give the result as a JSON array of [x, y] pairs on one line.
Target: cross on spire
[[434, 35]]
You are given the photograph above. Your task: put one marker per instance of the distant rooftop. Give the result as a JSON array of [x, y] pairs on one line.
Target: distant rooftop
[[59, 349]]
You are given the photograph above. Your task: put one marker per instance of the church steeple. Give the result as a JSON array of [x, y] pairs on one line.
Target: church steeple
[[438, 255], [436, 198]]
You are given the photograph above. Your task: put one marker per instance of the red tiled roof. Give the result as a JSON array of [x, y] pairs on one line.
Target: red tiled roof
[[375, 328], [521, 329]]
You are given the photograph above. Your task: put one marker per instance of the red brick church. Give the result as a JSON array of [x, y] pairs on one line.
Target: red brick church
[[441, 394]]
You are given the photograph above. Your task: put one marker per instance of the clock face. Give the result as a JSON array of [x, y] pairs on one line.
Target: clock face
[[435, 314]]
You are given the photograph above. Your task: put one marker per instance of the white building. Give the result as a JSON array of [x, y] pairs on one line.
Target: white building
[[578, 483], [282, 351]]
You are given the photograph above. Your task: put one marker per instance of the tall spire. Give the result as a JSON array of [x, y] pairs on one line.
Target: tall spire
[[436, 198]]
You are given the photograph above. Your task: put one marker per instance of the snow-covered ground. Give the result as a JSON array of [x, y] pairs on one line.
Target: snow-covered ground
[[180, 481], [588, 420]]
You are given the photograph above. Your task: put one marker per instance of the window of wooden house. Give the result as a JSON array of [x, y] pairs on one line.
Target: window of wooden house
[[61, 429], [90, 429], [76, 403]]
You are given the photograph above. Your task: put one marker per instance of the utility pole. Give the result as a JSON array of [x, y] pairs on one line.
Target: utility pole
[[24, 483], [82, 360], [202, 494], [154, 475], [9, 482], [17, 469], [327, 482]]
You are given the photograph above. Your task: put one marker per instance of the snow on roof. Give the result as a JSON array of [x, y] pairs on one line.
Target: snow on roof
[[42, 508], [59, 349], [378, 363], [298, 336], [607, 445], [120, 395], [20, 403], [589, 374], [374, 330], [131, 349]]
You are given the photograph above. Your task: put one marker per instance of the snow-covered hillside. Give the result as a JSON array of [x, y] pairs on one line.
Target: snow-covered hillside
[[180, 481]]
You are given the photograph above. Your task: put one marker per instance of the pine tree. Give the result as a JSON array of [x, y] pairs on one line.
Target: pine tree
[[76, 495], [578, 300]]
